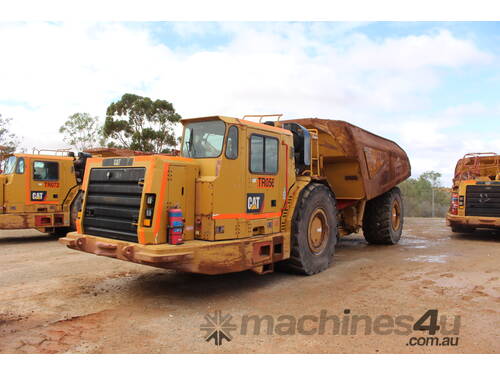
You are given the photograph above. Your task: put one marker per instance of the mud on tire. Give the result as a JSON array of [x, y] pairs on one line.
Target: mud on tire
[[314, 231], [383, 218]]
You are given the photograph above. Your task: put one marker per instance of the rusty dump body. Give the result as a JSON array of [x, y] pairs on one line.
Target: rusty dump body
[[106, 152], [475, 201], [381, 164], [244, 189]]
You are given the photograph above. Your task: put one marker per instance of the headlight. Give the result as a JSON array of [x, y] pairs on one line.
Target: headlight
[[150, 208]]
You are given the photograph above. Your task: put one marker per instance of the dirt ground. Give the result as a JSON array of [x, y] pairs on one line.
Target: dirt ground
[[57, 300]]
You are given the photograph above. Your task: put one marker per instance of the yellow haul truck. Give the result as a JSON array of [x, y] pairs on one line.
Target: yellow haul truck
[[41, 191], [475, 197], [247, 195]]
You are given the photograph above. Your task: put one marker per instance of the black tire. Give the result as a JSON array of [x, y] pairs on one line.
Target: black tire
[[462, 229], [58, 232], [380, 227], [311, 254], [76, 206]]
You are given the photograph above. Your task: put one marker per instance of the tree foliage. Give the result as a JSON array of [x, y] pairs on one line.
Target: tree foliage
[[139, 123], [417, 195], [82, 131], [9, 142], [434, 178]]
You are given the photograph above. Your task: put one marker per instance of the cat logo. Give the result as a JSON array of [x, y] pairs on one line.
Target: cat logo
[[38, 195], [255, 202]]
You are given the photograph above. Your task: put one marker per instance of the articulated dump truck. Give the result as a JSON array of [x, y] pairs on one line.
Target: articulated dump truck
[[41, 192], [475, 197], [244, 195]]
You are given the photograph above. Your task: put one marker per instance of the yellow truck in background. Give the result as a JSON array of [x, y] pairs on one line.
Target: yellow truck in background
[[39, 191], [244, 195], [475, 197]]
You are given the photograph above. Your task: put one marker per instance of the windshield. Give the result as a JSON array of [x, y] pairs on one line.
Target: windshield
[[203, 139], [10, 165]]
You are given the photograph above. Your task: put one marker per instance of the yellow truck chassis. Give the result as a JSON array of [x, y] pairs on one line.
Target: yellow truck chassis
[[252, 195]]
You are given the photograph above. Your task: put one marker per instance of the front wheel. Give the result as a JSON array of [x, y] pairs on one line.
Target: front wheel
[[462, 229], [383, 218], [314, 231], [59, 232], [76, 206]]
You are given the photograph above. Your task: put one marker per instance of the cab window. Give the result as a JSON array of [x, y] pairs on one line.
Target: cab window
[[20, 166], [45, 171], [9, 165], [263, 154], [232, 143], [203, 139]]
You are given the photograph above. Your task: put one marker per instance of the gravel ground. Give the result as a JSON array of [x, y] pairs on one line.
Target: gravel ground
[[57, 300]]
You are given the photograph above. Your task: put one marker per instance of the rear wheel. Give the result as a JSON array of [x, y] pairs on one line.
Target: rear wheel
[[383, 218], [314, 231]]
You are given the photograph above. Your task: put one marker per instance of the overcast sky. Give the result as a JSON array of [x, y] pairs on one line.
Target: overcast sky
[[431, 87]]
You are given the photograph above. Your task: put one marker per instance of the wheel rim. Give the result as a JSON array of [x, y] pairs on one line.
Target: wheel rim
[[396, 215], [318, 232]]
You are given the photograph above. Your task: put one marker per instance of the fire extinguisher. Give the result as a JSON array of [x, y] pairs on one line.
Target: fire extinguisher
[[175, 226]]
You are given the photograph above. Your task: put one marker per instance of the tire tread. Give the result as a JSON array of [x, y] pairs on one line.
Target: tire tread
[[377, 219], [296, 263]]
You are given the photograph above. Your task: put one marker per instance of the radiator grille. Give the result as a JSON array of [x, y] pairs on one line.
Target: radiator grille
[[113, 202], [482, 200]]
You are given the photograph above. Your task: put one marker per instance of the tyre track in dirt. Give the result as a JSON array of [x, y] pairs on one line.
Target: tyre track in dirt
[[56, 300]]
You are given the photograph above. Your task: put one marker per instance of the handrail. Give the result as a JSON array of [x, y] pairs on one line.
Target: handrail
[[315, 155], [476, 154], [262, 116], [56, 151]]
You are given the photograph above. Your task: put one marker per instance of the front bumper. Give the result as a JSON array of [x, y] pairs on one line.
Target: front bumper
[[195, 256], [14, 221], [473, 221], [34, 220]]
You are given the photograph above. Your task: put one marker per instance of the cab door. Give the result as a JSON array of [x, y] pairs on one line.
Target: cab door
[[229, 187], [15, 188], [45, 183], [265, 187]]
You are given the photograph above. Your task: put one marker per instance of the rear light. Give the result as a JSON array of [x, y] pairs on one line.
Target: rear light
[[150, 208], [454, 204]]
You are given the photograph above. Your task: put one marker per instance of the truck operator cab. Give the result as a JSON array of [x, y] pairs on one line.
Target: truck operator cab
[[246, 170]]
